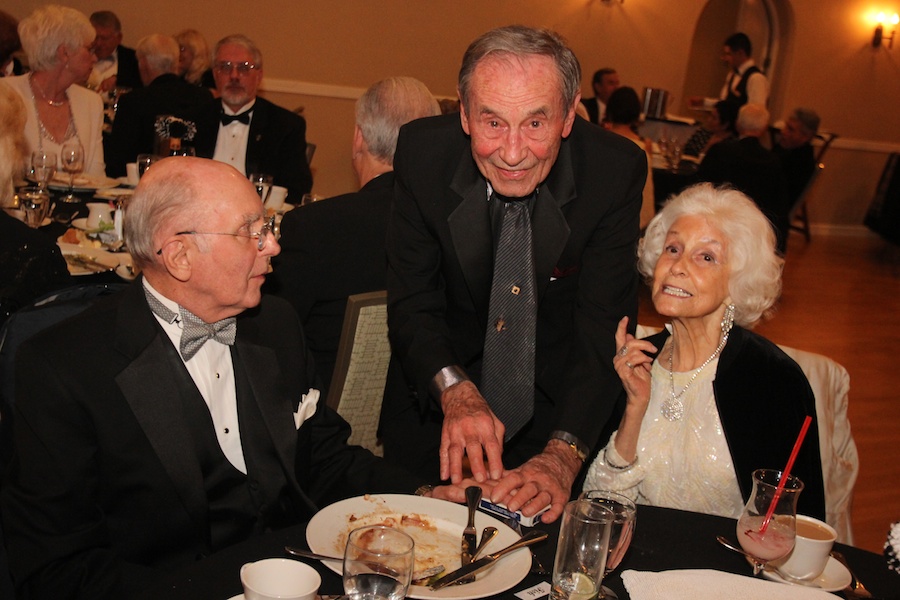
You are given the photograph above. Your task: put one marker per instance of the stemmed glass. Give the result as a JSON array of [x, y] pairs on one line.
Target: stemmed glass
[[263, 184], [43, 166], [777, 539], [378, 563], [72, 159], [625, 513]]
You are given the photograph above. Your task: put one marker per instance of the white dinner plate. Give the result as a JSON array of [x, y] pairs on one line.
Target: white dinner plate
[[835, 577], [83, 183], [104, 258], [81, 223], [328, 529]]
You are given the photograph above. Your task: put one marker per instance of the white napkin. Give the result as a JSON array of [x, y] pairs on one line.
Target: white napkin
[[307, 407], [706, 584]]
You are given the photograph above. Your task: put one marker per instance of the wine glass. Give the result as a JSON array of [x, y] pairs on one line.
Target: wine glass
[[72, 158], [625, 513], [263, 184], [144, 161], [43, 166], [35, 201], [777, 538], [378, 563]]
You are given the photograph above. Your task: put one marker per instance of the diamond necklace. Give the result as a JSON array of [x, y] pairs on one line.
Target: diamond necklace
[[672, 407]]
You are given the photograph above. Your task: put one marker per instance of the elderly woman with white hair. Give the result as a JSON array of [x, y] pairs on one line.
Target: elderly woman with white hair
[[706, 400], [59, 43]]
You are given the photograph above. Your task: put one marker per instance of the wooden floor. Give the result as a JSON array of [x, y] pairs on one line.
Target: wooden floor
[[841, 298]]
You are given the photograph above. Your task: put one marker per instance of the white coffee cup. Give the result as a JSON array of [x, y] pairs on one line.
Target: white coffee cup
[[277, 196], [131, 170], [100, 214], [811, 550], [279, 579]]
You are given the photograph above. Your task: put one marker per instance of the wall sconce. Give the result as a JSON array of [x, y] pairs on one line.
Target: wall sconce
[[879, 36]]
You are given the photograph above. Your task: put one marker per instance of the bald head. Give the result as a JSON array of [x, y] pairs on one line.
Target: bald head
[[171, 197]]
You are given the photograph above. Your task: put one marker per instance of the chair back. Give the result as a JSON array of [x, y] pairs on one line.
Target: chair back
[[798, 218], [361, 366], [830, 383]]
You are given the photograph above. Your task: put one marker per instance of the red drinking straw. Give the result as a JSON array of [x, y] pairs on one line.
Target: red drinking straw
[[786, 473]]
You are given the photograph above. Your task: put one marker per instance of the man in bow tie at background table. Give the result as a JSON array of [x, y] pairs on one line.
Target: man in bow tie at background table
[[250, 133], [511, 258], [177, 417]]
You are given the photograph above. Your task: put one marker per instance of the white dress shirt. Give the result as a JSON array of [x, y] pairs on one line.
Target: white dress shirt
[[757, 85], [231, 142], [213, 374], [103, 69]]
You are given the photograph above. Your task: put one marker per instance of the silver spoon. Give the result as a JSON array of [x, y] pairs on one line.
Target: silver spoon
[[724, 541], [487, 534]]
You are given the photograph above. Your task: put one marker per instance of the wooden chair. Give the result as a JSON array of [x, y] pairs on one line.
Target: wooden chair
[[361, 366], [798, 218]]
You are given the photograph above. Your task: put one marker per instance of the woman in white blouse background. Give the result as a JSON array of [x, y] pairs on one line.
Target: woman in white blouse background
[[706, 400], [59, 44]]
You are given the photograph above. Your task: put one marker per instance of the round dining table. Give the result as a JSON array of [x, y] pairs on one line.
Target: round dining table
[[664, 539]]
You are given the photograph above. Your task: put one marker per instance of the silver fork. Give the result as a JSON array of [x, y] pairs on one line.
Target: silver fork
[[536, 567]]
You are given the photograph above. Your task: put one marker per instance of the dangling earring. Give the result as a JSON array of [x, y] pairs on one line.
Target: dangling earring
[[728, 319]]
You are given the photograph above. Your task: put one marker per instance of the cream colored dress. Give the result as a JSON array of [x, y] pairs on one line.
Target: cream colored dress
[[682, 464]]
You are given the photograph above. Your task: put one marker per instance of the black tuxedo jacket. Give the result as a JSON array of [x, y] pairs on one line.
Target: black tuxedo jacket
[[585, 224], [276, 145], [330, 250], [128, 74], [134, 131], [106, 487], [756, 171]]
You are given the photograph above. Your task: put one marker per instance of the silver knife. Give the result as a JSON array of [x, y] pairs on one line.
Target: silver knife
[[470, 534], [479, 565]]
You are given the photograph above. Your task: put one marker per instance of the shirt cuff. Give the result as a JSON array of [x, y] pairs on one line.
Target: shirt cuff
[[446, 377]]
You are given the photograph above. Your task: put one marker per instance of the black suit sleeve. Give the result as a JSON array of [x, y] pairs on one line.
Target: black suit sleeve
[[125, 141]]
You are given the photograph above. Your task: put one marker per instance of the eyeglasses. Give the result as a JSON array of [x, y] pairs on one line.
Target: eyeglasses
[[260, 236], [226, 67]]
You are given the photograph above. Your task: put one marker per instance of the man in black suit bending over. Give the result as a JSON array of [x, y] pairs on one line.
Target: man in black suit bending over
[[510, 263], [334, 248], [165, 93], [177, 417], [248, 132]]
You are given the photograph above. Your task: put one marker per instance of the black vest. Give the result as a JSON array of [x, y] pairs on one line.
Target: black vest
[[739, 94], [240, 506]]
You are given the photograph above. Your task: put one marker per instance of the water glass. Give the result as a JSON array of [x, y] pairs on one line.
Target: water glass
[[43, 167], [144, 161], [263, 184], [35, 201], [378, 563], [582, 550]]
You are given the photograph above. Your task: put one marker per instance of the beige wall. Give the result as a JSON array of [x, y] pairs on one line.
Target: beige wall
[[829, 64]]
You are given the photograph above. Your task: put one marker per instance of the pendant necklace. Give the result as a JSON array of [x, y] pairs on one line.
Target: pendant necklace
[[54, 103], [672, 407]]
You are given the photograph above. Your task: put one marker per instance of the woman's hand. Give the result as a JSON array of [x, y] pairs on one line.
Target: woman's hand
[[633, 367]]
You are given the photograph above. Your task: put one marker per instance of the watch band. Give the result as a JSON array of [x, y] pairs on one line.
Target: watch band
[[578, 447]]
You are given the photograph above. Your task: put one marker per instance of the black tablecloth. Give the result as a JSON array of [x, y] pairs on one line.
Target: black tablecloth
[[664, 539]]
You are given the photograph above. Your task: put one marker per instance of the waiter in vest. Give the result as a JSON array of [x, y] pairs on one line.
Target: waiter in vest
[[745, 83]]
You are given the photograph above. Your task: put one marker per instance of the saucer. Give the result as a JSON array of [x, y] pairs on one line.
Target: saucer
[[238, 597], [834, 578]]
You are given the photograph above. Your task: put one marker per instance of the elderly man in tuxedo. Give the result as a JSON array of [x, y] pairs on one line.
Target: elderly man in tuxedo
[[116, 65], [179, 416], [250, 133], [165, 93], [509, 358]]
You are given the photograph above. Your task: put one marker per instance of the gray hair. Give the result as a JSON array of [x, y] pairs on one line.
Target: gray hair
[[521, 41], [755, 280], [50, 27], [386, 106], [244, 42], [156, 202], [808, 119], [194, 40], [12, 139], [159, 51], [752, 118], [106, 18]]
